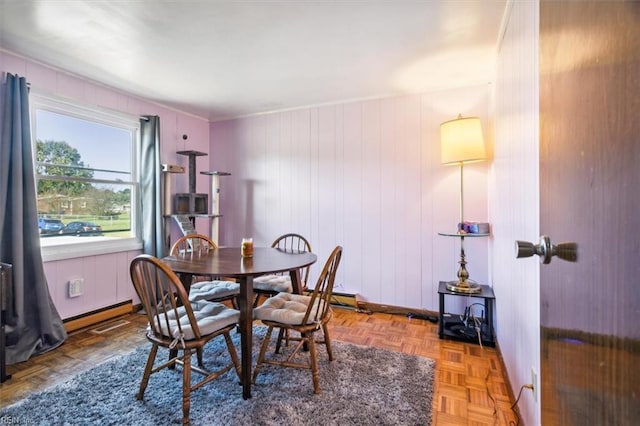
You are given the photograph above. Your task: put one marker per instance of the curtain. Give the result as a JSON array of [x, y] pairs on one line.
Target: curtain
[[34, 325], [151, 187]]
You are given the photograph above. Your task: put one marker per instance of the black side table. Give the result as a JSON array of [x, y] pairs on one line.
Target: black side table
[[462, 327]]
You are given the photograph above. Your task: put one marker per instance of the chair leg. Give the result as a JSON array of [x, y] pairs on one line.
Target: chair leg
[[234, 355], [172, 354], [256, 299], [327, 341], [186, 386], [313, 354], [147, 371], [284, 334], [279, 341], [199, 356], [263, 351]]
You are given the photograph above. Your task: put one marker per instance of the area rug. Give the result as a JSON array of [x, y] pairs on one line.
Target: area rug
[[362, 386]]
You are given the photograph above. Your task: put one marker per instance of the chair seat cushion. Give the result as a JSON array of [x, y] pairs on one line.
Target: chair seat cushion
[[275, 283], [285, 308], [211, 290], [210, 317]]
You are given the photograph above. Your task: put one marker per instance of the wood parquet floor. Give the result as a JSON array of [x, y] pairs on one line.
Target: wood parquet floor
[[470, 383]]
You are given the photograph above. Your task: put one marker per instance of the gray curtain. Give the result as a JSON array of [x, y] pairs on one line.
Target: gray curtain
[[34, 325], [151, 187]]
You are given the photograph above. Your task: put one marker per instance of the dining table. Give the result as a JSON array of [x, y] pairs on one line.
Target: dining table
[[228, 262]]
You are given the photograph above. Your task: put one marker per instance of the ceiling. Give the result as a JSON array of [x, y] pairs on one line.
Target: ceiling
[[223, 59]]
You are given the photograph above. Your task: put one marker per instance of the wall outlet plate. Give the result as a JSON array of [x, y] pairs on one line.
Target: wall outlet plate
[[76, 287]]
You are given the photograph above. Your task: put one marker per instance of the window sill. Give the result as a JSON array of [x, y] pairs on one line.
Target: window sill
[[74, 247]]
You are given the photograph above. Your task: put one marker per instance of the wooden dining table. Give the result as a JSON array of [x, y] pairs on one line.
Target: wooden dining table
[[228, 262]]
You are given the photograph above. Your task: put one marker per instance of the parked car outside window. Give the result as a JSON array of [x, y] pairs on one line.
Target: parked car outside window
[[50, 226], [82, 228]]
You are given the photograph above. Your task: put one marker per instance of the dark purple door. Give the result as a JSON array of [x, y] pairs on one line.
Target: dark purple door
[[590, 194]]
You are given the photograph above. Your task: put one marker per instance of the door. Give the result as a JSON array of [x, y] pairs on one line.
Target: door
[[590, 194]]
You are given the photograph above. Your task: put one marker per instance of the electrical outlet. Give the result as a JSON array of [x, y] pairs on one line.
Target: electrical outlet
[[534, 382], [76, 287]]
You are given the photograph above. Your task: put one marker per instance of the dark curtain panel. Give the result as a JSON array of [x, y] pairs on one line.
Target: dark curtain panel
[[34, 325], [151, 187]]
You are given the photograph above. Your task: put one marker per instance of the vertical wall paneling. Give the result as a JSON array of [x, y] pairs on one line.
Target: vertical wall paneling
[[409, 211], [372, 175], [269, 183], [300, 196], [353, 194], [340, 211], [327, 187], [515, 201], [286, 173], [430, 145], [312, 189], [104, 269], [365, 175], [388, 179], [223, 160]]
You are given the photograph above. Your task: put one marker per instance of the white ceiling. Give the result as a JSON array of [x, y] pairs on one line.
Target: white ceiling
[[221, 59]]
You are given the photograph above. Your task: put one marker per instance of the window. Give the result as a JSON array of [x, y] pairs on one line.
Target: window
[[87, 184]]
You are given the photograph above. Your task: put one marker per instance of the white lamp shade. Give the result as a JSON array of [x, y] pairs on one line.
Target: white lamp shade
[[461, 141]]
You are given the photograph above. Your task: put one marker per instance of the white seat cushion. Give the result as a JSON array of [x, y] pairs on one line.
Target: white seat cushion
[[210, 316], [210, 290], [279, 283], [285, 308]]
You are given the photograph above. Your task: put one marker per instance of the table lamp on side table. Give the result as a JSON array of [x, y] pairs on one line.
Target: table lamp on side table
[[462, 142]]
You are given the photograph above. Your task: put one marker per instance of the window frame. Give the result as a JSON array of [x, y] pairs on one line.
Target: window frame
[[104, 116]]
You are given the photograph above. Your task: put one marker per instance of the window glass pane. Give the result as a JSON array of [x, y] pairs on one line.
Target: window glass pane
[[85, 178], [95, 145]]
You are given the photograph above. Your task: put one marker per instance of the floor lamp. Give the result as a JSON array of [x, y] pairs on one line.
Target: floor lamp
[[462, 142]]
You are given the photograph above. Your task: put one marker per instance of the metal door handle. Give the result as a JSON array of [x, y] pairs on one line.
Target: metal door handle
[[546, 250]]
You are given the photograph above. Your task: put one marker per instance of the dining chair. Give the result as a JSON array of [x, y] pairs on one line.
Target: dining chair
[[272, 284], [304, 314], [205, 288], [179, 325]]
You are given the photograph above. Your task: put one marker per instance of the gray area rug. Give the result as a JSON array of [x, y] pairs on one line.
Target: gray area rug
[[362, 386]]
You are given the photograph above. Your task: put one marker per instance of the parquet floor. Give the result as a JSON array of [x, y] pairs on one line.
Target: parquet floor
[[470, 384]]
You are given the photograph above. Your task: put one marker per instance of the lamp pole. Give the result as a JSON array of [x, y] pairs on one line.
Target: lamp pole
[[463, 274]]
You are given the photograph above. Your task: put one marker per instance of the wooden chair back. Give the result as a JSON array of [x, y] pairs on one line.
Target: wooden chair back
[[292, 243], [319, 307], [162, 294], [195, 244]]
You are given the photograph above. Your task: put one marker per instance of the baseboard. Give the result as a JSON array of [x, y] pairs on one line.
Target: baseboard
[[371, 308], [92, 318]]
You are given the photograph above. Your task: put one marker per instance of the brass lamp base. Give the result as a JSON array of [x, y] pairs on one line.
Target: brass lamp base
[[464, 286]]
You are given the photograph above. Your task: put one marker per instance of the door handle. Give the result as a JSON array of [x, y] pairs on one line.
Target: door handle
[[546, 250]]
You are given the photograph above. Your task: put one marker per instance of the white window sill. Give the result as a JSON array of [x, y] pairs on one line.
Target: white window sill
[[69, 247]]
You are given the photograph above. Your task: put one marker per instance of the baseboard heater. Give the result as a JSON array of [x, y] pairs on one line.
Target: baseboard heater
[[94, 317], [371, 308]]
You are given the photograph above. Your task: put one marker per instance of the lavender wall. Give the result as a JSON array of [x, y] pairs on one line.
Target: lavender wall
[[106, 276], [514, 201], [365, 175]]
